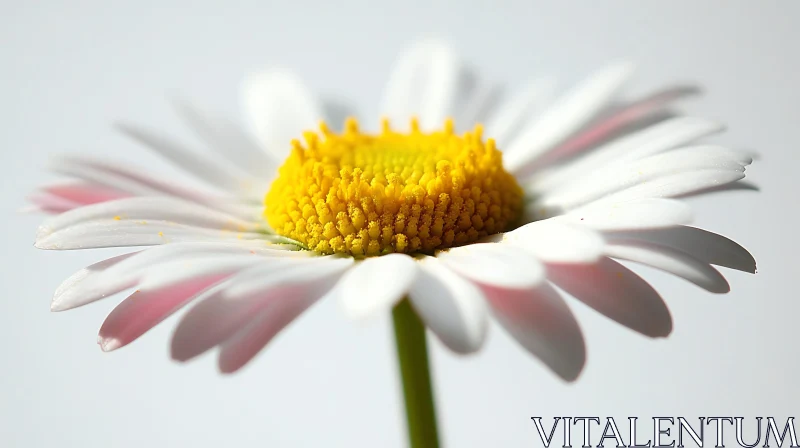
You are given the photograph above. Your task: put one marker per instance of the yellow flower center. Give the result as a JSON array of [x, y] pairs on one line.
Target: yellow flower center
[[362, 194]]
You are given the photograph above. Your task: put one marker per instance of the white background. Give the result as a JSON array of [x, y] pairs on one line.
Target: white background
[[68, 69]]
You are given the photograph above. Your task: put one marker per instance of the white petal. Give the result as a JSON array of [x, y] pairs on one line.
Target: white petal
[[568, 115], [616, 292], [541, 322], [147, 208], [279, 107], [130, 233], [661, 137], [557, 242], [673, 261], [648, 169], [376, 284], [636, 214], [77, 289], [732, 186], [675, 185], [501, 265], [475, 96], [453, 308], [229, 141], [476, 104], [424, 83], [701, 244], [206, 169], [528, 102], [711, 153]]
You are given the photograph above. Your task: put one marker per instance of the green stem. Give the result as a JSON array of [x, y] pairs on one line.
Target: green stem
[[412, 353]]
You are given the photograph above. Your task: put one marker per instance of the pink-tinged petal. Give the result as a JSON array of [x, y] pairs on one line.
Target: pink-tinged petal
[[250, 340], [82, 287], [136, 183], [670, 260], [85, 193], [541, 322], [658, 138], [48, 203], [166, 287], [616, 292], [701, 244], [228, 308], [118, 176], [610, 126], [570, 113], [213, 320], [143, 309], [638, 172]]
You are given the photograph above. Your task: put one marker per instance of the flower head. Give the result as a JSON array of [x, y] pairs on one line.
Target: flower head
[[369, 195], [466, 224]]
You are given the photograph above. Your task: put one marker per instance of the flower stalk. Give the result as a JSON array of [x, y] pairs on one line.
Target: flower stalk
[[412, 354]]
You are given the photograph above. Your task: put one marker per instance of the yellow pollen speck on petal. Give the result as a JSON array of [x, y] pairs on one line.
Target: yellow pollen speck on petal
[[117, 218], [372, 194]]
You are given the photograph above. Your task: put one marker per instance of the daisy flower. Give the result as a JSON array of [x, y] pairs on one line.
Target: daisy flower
[[453, 209]]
